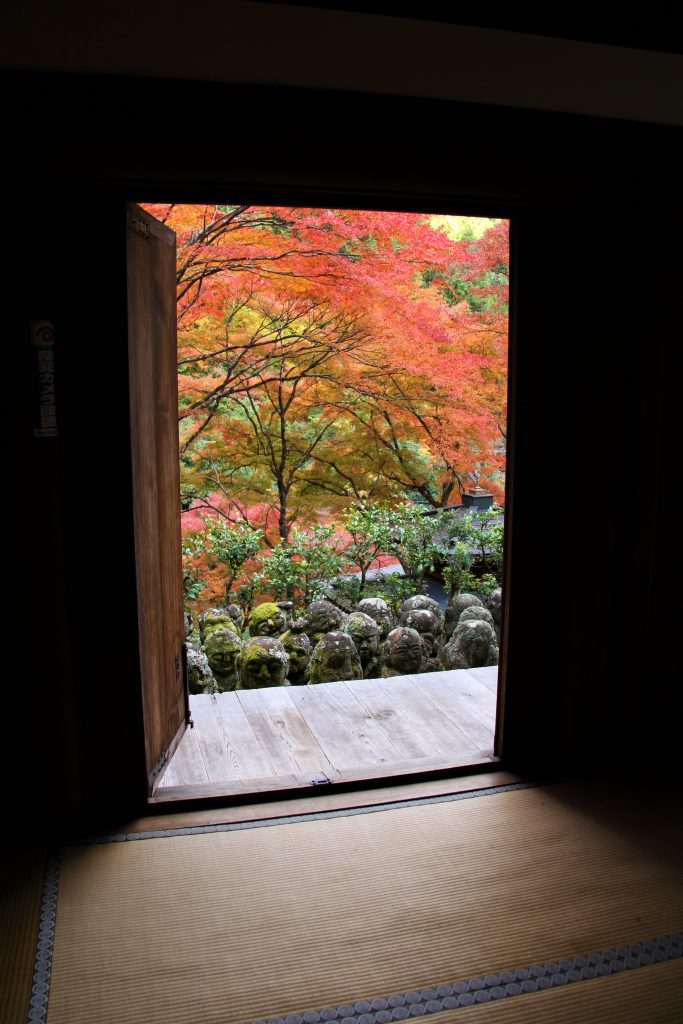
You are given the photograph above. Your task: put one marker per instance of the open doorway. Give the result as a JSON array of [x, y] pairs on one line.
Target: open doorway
[[342, 389]]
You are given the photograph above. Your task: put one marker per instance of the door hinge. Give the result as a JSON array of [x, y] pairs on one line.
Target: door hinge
[[321, 782], [137, 224]]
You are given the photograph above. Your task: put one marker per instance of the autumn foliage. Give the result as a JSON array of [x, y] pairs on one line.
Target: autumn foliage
[[327, 357]]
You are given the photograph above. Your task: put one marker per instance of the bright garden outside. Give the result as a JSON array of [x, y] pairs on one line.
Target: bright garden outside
[[342, 379]]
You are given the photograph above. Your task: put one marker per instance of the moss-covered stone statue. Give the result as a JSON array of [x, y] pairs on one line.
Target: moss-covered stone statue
[[364, 632], [473, 645], [456, 605], [475, 612], [335, 658], [237, 616], [428, 626], [223, 650], [423, 602], [322, 617], [380, 611], [263, 662], [267, 619], [299, 650], [403, 652], [495, 605], [199, 676], [211, 619]]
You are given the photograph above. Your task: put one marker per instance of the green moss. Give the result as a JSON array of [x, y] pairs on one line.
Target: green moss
[[262, 612]]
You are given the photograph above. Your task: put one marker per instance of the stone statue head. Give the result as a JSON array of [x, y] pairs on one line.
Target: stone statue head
[[427, 625], [299, 650], [264, 662], [403, 651], [364, 632], [422, 601], [473, 645], [495, 603], [199, 676], [211, 619], [475, 612], [455, 607], [322, 617], [335, 658], [237, 616], [378, 610], [223, 648], [267, 620]]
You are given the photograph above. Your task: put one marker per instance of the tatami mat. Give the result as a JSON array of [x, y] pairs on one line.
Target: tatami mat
[[650, 996], [225, 927], [20, 905]]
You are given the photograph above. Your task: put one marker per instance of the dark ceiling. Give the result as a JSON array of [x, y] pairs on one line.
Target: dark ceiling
[[639, 25]]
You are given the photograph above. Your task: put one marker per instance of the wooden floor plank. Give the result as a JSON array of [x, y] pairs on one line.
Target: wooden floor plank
[[187, 765], [280, 728], [428, 719], [363, 724], [248, 760], [210, 734], [385, 709], [345, 744], [487, 675], [468, 704]]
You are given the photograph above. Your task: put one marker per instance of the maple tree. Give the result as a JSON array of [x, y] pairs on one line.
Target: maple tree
[[328, 357]]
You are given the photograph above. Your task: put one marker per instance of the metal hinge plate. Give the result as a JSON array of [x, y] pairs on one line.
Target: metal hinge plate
[[137, 224]]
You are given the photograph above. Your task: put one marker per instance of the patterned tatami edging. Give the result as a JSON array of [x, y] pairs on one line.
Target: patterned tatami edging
[[291, 819], [42, 971], [475, 991]]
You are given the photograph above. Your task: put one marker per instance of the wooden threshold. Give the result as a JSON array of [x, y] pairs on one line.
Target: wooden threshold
[[203, 810], [294, 783]]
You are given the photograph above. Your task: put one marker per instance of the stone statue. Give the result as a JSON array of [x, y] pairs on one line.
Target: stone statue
[[428, 625], [223, 649], [472, 645], [237, 616], [263, 662], [267, 620], [335, 658], [299, 650], [495, 603], [211, 619], [422, 601], [322, 617], [474, 612], [457, 604], [364, 632], [378, 610], [403, 652], [199, 676]]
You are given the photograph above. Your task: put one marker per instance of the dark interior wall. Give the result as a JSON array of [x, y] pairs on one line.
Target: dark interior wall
[[594, 273]]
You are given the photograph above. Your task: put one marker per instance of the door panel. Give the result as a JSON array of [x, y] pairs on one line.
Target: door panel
[[152, 347]]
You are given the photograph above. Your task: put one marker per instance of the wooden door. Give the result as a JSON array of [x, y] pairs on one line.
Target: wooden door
[[152, 346]]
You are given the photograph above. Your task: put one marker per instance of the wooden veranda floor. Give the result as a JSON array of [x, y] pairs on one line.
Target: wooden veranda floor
[[298, 735]]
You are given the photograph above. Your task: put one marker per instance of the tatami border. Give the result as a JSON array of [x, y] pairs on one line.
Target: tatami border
[[502, 985], [290, 819], [42, 971]]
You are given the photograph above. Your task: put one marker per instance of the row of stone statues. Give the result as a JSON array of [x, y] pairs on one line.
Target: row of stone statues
[[327, 644]]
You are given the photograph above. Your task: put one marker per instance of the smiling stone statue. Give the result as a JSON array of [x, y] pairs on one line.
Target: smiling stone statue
[[263, 662], [335, 658], [403, 652]]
